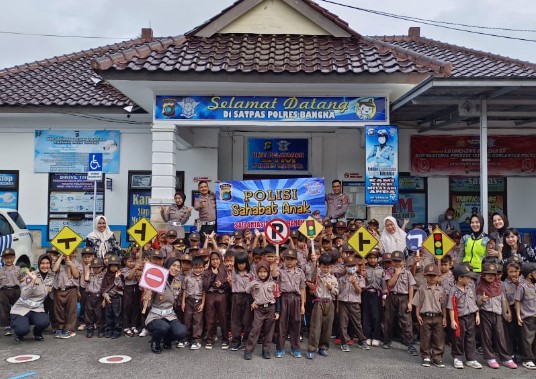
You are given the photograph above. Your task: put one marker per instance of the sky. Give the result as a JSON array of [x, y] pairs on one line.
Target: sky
[[118, 21]]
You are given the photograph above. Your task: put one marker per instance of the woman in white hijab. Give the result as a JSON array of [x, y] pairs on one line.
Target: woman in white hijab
[[101, 238], [393, 238]]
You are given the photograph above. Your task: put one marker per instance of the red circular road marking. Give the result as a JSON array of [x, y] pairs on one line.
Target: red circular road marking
[[23, 358], [115, 359], [154, 277]]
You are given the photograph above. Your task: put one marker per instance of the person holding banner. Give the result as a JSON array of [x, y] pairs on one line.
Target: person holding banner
[[336, 203], [102, 238], [205, 204], [177, 215], [162, 320]]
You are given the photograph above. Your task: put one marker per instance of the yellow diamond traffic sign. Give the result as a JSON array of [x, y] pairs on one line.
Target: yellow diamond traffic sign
[[142, 232], [66, 240], [362, 241], [438, 244], [310, 228]]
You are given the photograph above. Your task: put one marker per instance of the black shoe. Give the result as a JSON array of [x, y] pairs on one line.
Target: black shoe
[[100, 334], [19, 339], [266, 355], [39, 338], [108, 334], [155, 347], [89, 332], [166, 345], [247, 355], [236, 346], [116, 335]]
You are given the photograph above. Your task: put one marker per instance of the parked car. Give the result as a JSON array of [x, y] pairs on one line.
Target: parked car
[[15, 235]]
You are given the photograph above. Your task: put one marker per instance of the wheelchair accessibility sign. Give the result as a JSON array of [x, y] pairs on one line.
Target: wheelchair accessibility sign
[[94, 166]]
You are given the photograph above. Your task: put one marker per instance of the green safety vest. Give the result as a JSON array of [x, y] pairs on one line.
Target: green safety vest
[[475, 250]]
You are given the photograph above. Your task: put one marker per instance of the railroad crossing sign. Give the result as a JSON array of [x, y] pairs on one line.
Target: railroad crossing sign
[[154, 277], [310, 228], [277, 231], [438, 243], [415, 238], [66, 240], [362, 241], [142, 232]]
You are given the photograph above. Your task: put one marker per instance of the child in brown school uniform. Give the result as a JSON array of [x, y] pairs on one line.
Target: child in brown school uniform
[[193, 302], [351, 286], [373, 296], [112, 292], [430, 303], [10, 277], [216, 286], [326, 291], [94, 313], [526, 314], [131, 272], [66, 284], [241, 314], [87, 255], [167, 248], [512, 329], [398, 305], [292, 287], [493, 306], [464, 317], [265, 311]]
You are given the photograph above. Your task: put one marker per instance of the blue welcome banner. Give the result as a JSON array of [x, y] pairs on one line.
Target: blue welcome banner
[[252, 203], [271, 108], [381, 173]]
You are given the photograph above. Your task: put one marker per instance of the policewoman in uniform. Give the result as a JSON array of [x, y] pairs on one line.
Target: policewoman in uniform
[[29, 309], [162, 321]]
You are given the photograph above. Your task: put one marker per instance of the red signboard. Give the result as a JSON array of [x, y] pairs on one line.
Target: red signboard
[[460, 155]]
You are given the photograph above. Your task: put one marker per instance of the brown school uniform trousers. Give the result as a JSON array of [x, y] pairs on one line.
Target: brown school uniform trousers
[[83, 299], [193, 320], [396, 307], [513, 333], [321, 324], [94, 313], [216, 310], [65, 307], [240, 316], [289, 320], [432, 342], [350, 312], [263, 320], [131, 305], [466, 342], [493, 338], [8, 297], [528, 339]]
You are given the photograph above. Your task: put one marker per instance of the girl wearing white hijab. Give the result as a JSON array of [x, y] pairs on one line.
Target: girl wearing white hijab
[[393, 238], [101, 238]]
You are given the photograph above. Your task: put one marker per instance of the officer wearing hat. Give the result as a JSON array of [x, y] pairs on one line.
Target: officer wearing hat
[[382, 154]]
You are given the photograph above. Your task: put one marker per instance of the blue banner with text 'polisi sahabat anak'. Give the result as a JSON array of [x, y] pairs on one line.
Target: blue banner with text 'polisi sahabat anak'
[[252, 203], [272, 108]]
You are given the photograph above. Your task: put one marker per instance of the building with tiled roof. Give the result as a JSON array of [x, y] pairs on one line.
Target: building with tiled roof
[[137, 102]]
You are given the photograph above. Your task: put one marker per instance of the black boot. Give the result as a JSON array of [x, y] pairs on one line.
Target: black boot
[[116, 334], [155, 347], [89, 332]]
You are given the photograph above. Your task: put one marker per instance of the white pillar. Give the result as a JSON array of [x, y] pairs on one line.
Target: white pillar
[[164, 148], [484, 161]]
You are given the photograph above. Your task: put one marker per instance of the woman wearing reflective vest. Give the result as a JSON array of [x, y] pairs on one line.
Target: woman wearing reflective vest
[[475, 244]]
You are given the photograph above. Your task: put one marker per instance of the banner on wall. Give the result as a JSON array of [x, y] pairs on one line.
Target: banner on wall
[[139, 206], [460, 155], [381, 174], [9, 195], [252, 203], [272, 108], [67, 150], [278, 154], [411, 206]]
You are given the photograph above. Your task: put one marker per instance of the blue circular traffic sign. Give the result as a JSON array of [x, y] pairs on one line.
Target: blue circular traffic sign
[[415, 238]]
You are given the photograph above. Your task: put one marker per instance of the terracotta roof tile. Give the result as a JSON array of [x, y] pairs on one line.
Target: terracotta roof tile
[[466, 62], [62, 81], [272, 53]]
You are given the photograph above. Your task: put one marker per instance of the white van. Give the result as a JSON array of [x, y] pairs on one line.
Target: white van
[[13, 234]]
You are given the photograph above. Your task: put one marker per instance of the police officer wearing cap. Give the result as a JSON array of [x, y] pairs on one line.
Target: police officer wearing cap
[[337, 203]]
